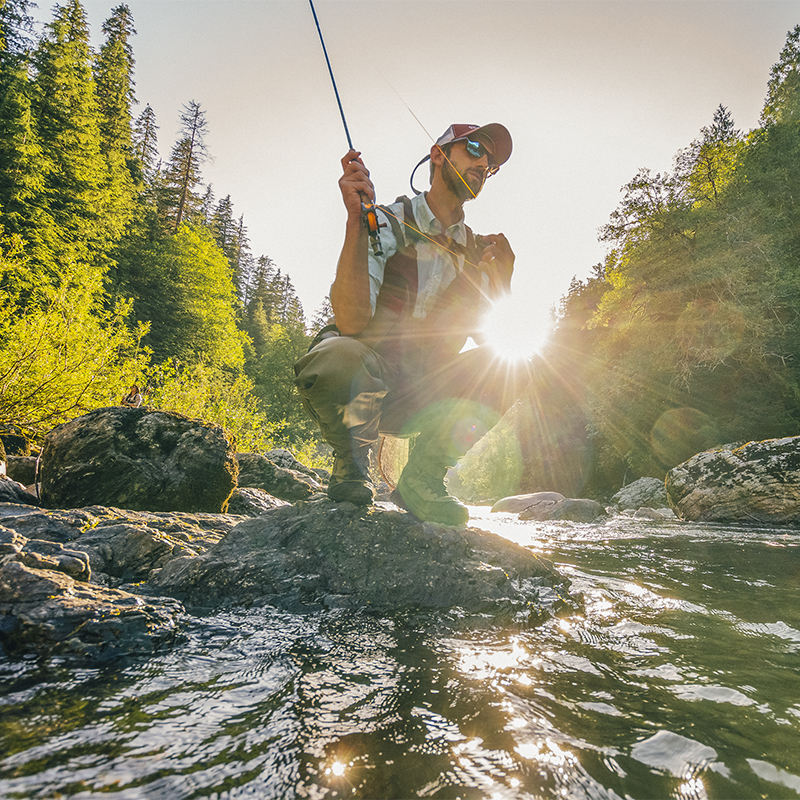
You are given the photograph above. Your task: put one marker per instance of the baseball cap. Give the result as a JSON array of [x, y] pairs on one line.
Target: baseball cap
[[495, 134]]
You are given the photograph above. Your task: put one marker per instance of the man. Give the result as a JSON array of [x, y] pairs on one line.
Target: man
[[393, 362]]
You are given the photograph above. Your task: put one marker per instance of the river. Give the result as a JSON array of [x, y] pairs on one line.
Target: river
[[672, 671]]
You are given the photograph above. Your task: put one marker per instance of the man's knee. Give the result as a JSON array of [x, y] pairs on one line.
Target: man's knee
[[339, 368]]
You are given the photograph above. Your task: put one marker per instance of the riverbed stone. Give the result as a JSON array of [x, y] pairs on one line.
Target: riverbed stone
[[140, 459], [649, 492], [567, 509], [48, 612], [519, 502], [757, 483], [13, 492], [22, 469], [378, 558]]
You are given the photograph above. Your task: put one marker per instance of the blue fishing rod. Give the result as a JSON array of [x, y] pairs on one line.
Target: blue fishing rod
[[367, 207]]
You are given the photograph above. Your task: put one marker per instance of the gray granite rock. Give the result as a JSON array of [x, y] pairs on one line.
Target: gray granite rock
[[377, 558], [259, 472], [568, 509], [758, 483], [519, 502]]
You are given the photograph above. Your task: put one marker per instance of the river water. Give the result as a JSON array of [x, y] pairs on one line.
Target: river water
[[672, 671]]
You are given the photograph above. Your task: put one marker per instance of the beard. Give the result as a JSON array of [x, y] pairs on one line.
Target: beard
[[474, 180]]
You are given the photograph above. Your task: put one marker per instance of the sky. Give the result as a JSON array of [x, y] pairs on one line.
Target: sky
[[591, 91]]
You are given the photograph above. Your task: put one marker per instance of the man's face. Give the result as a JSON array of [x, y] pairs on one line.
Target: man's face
[[470, 163]]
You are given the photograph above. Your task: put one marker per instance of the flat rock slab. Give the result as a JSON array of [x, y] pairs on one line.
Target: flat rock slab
[[757, 484], [320, 553]]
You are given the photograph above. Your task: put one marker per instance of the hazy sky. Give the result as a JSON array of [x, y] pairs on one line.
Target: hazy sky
[[591, 91]]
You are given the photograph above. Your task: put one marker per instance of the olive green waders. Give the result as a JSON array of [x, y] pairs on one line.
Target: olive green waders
[[355, 395]]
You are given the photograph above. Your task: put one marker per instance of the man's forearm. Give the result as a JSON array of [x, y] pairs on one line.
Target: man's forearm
[[350, 293]]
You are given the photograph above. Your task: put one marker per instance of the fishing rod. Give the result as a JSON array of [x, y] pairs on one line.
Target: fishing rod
[[367, 207]]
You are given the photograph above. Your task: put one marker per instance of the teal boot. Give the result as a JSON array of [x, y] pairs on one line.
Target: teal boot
[[421, 489]]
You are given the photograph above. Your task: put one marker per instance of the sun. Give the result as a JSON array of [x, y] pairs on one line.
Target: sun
[[515, 329]]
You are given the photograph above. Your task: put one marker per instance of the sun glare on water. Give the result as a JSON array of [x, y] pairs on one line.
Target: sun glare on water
[[516, 329]]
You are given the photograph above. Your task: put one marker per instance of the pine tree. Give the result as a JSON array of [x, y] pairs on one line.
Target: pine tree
[[145, 142], [783, 91], [114, 82], [68, 223], [182, 174]]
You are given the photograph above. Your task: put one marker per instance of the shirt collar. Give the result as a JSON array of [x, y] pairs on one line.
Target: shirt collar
[[429, 225]]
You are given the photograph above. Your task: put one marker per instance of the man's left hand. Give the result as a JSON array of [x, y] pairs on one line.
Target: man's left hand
[[497, 262]]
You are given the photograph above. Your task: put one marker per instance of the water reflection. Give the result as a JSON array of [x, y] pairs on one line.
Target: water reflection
[[672, 672]]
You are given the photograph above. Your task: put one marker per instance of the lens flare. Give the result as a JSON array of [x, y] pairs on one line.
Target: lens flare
[[516, 329]]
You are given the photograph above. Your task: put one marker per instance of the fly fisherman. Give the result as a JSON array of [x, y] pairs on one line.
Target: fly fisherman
[[393, 362]]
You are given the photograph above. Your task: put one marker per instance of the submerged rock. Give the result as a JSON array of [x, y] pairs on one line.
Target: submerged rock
[[758, 483], [321, 553], [138, 459], [572, 510]]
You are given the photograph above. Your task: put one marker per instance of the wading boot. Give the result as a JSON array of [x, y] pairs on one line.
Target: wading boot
[[350, 481], [421, 491]]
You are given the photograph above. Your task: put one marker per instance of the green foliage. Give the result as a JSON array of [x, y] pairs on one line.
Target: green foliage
[[182, 285], [60, 355], [203, 391], [492, 468], [688, 336]]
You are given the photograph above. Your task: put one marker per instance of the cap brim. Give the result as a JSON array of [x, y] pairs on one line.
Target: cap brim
[[498, 138]]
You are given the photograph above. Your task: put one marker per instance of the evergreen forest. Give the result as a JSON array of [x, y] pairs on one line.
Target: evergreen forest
[[118, 267]]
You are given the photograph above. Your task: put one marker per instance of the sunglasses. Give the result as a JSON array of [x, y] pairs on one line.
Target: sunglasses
[[477, 150]]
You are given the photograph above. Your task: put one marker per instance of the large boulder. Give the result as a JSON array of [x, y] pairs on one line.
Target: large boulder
[[567, 509], [259, 472], [22, 469], [649, 492], [139, 459], [758, 483], [320, 553]]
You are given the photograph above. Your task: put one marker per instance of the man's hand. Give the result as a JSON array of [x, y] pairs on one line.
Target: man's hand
[[350, 292], [497, 262], [355, 184]]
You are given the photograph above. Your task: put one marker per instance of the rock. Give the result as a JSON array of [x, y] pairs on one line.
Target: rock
[[21, 469], [641, 492], [138, 459], [572, 510], [519, 502], [758, 483], [251, 502], [259, 472], [299, 555], [13, 492], [14, 444], [46, 612], [43, 555], [125, 546], [651, 513], [285, 459]]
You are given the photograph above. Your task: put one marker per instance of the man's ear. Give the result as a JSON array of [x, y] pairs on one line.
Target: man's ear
[[437, 155]]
